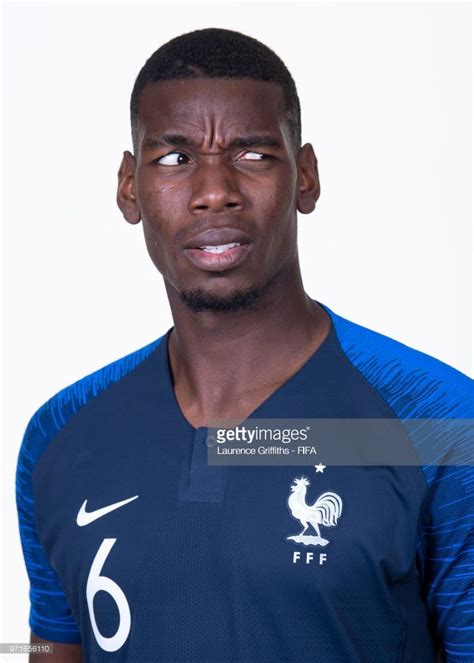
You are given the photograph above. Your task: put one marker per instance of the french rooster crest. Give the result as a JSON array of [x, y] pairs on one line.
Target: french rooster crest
[[325, 511]]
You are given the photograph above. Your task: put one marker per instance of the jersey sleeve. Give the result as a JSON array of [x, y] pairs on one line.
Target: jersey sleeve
[[50, 616], [446, 555], [436, 404]]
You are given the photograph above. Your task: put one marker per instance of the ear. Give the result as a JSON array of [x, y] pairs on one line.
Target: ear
[[308, 179], [126, 197]]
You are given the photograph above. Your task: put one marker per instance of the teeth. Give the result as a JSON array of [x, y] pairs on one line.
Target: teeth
[[219, 249]]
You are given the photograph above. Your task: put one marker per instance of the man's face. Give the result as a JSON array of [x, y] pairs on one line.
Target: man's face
[[215, 167]]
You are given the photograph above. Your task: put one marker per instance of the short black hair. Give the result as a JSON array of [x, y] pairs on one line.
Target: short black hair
[[217, 53]]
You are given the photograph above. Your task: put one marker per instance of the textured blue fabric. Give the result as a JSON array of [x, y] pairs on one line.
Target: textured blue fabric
[[202, 553]]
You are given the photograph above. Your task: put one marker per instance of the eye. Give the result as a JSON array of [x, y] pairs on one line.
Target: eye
[[173, 159], [255, 156]]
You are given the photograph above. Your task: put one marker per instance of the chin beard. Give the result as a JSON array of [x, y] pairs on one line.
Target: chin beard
[[240, 300]]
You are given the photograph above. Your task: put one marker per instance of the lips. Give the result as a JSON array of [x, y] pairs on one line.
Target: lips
[[218, 249], [212, 261]]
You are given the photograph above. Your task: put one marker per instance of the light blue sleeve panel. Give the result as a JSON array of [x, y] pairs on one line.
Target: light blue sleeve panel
[[50, 615], [416, 386]]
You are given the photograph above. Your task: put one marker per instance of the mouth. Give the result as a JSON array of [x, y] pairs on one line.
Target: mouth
[[218, 249], [219, 257]]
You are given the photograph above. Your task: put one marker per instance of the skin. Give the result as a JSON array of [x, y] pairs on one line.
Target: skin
[[224, 364]]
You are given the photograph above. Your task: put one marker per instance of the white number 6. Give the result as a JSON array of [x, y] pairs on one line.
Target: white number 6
[[97, 583]]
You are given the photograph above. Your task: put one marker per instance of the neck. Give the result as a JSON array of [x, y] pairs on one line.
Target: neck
[[216, 357]]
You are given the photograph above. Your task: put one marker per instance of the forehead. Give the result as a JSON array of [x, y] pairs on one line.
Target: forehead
[[224, 104]]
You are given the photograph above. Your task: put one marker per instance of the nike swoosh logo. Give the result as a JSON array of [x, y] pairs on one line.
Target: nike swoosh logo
[[85, 517]]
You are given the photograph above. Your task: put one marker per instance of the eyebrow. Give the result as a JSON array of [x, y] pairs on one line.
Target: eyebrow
[[177, 140]]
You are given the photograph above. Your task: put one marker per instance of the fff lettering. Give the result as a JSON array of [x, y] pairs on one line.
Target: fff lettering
[[308, 557]]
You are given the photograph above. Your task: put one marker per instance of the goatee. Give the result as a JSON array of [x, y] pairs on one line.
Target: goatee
[[240, 300]]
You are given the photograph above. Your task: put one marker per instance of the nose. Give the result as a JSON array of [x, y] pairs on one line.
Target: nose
[[215, 188]]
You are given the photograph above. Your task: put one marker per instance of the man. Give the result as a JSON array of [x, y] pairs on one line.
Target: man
[[136, 547]]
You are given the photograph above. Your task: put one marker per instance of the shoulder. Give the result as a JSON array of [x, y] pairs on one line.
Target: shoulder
[[54, 414], [412, 383]]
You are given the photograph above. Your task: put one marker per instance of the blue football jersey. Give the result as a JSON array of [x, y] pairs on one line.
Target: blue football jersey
[[140, 550]]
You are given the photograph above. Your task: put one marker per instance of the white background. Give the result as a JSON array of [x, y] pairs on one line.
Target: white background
[[386, 97]]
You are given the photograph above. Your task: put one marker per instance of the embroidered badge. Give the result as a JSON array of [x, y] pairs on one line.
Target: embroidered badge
[[325, 511]]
